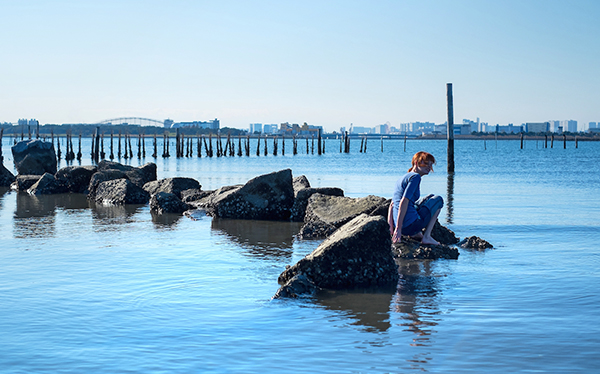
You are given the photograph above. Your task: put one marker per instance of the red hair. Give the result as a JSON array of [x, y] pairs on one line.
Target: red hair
[[421, 157]]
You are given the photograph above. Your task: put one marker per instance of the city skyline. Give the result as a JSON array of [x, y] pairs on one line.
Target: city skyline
[[328, 64]]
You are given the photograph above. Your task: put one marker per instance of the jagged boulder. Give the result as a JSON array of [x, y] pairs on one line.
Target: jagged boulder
[[75, 178], [325, 214], [103, 176], [165, 202], [266, 197], [302, 196], [300, 183], [34, 157], [475, 242], [46, 185], [24, 182], [119, 192], [6, 176], [412, 249], [172, 185], [358, 254]]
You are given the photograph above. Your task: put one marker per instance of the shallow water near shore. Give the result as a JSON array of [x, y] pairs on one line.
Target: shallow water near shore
[[86, 288]]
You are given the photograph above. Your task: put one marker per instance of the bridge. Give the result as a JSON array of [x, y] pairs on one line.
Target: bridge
[[133, 121]]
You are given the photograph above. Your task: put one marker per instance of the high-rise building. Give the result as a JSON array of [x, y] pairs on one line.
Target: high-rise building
[[592, 125], [569, 125], [256, 127]]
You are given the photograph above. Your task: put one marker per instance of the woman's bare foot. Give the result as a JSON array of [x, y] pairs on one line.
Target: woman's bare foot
[[429, 240], [418, 236]]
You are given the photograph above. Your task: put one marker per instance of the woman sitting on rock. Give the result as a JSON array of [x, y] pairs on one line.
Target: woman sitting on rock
[[414, 214]]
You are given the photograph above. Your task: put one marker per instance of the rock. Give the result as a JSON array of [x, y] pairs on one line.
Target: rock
[[299, 285], [139, 176], [6, 176], [24, 182], [119, 192], [324, 214], [300, 183], [165, 202], [412, 249], [103, 176], [172, 185], [474, 242], [75, 178], [34, 157], [266, 197], [302, 196], [443, 234], [46, 185], [194, 194], [357, 255]]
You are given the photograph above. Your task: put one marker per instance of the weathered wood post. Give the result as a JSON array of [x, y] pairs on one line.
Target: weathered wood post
[[576, 142], [199, 145], [58, 147], [239, 153], [521, 140], [102, 154], [143, 145], [37, 130], [266, 147], [307, 146], [258, 145], [154, 146], [112, 135], [319, 142], [552, 141], [545, 140], [565, 141], [97, 146], [362, 141], [450, 128], [381, 143]]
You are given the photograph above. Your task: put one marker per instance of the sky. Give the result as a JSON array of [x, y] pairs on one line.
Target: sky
[[326, 63]]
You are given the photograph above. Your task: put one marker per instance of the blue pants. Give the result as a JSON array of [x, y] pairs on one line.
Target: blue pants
[[426, 207]]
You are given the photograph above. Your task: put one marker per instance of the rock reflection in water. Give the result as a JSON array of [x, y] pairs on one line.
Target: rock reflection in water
[[165, 220], [370, 308], [35, 215], [261, 238], [113, 217], [416, 299]]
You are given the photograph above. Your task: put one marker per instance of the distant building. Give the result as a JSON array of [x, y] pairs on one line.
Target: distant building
[[474, 125], [269, 129], [507, 129], [537, 127], [213, 125], [592, 125], [569, 125], [256, 127], [168, 123], [360, 130], [26, 122]]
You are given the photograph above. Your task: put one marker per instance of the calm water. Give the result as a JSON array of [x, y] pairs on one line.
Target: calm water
[[114, 289]]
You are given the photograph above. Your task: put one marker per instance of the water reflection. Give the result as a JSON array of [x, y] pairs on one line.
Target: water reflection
[[35, 216], [261, 238], [113, 217], [370, 308], [450, 199], [165, 220]]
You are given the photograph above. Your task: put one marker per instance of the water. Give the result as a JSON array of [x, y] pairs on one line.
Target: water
[[88, 288]]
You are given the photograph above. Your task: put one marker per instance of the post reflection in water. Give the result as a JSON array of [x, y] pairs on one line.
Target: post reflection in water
[[261, 238], [450, 199]]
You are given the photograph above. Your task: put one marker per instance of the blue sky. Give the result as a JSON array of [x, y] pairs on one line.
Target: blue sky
[[328, 63]]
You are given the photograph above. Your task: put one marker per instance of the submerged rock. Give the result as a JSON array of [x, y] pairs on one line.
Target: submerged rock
[[299, 285], [357, 255], [46, 185], [266, 197], [475, 242], [34, 157], [412, 249], [119, 192], [325, 214], [165, 202]]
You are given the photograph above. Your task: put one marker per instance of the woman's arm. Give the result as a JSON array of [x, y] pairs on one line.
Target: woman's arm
[[397, 236], [390, 218]]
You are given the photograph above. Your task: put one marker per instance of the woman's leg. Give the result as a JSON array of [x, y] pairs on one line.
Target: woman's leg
[[434, 205]]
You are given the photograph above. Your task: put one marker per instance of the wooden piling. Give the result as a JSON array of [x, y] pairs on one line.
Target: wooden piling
[[102, 154], [143, 145], [139, 144], [266, 150], [362, 141], [521, 140], [319, 142], [576, 142], [239, 146], [307, 146], [258, 145], [58, 147], [112, 153], [545, 140], [450, 127], [275, 145], [283, 145], [565, 141], [97, 145], [198, 145], [79, 149], [552, 141], [312, 147]]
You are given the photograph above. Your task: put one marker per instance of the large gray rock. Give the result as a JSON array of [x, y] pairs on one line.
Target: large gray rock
[[6, 176], [302, 196], [325, 214], [46, 185], [194, 194], [172, 185], [443, 234], [24, 182], [34, 157], [119, 192], [165, 202], [138, 175], [300, 183], [75, 178], [103, 176], [266, 197], [357, 255]]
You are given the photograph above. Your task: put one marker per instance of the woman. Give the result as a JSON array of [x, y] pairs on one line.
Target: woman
[[406, 208]]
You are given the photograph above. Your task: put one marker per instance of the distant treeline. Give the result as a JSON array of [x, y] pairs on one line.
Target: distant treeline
[[89, 130]]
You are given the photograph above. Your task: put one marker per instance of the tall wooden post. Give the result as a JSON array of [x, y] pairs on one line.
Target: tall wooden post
[[450, 128]]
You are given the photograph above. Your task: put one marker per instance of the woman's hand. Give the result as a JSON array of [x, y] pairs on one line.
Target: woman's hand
[[397, 236]]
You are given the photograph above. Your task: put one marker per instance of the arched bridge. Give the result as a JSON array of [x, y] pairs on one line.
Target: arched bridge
[[133, 121]]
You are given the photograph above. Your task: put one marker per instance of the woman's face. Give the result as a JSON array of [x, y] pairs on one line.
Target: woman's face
[[423, 168]]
